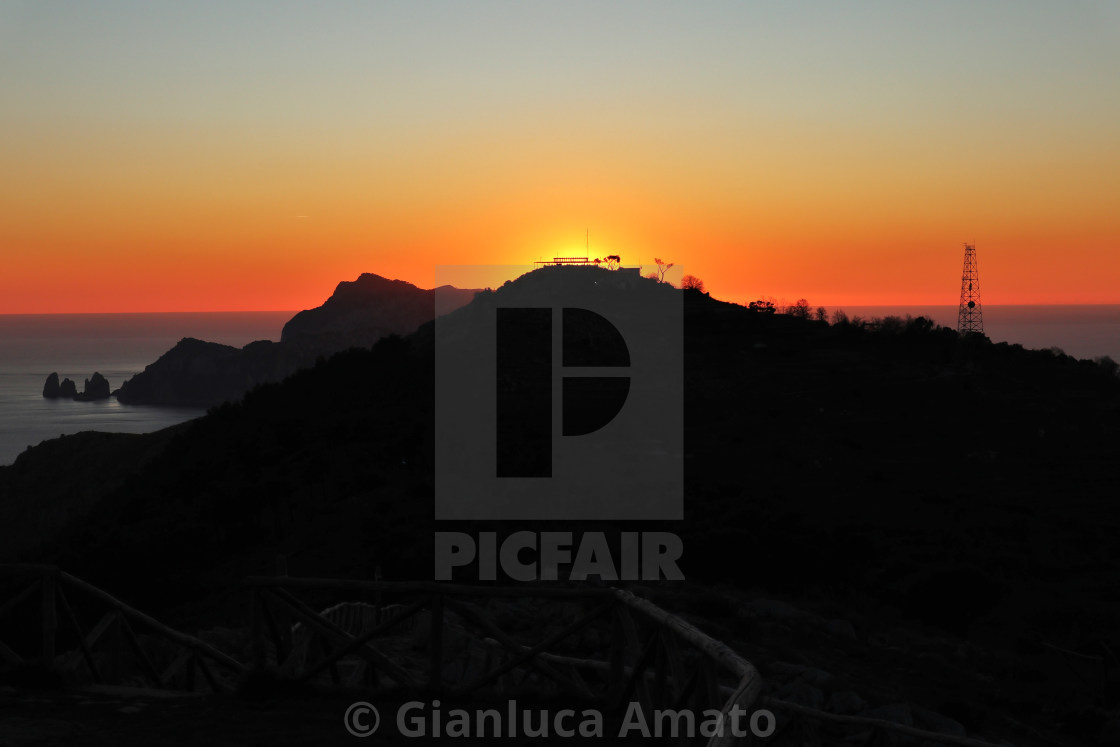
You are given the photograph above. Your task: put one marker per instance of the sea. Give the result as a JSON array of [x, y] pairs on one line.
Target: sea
[[116, 345], [121, 345], [1083, 331]]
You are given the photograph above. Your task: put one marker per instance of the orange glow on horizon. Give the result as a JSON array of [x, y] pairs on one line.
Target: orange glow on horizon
[[297, 278], [840, 155], [258, 231]]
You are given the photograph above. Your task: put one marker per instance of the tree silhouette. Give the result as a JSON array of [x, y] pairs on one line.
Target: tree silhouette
[[662, 268], [613, 261], [1109, 365], [691, 282]]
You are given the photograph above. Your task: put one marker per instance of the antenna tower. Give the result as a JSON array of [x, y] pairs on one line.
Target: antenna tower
[[970, 318]]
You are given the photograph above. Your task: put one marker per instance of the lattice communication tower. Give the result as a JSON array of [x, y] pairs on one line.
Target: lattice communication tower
[[970, 318]]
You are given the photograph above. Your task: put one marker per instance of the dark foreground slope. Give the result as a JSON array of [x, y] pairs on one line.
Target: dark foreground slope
[[946, 502]]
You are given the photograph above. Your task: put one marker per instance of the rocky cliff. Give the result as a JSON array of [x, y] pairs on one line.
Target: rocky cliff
[[361, 312]]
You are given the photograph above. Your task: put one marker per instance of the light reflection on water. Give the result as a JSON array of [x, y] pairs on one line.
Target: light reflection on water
[[28, 417]]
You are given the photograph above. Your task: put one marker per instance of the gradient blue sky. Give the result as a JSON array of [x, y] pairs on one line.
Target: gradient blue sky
[[251, 154]]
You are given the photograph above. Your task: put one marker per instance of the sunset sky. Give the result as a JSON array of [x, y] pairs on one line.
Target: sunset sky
[[249, 155]]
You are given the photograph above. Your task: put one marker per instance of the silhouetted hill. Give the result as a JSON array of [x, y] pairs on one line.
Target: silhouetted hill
[[361, 312], [947, 495], [199, 373]]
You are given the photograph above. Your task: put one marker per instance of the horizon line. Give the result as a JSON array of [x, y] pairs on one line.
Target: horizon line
[[294, 311]]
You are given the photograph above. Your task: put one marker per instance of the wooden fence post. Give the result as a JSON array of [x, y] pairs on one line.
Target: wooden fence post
[[118, 647], [435, 675], [617, 656], [50, 616], [255, 602]]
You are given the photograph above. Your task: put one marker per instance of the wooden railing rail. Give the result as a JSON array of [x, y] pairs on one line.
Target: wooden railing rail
[[116, 627]]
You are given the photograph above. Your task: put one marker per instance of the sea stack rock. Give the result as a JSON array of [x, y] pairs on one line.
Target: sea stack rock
[[51, 389], [96, 387], [68, 389]]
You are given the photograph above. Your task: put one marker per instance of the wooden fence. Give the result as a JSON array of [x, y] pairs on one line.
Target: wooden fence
[[125, 646], [597, 645], [467, 640]]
